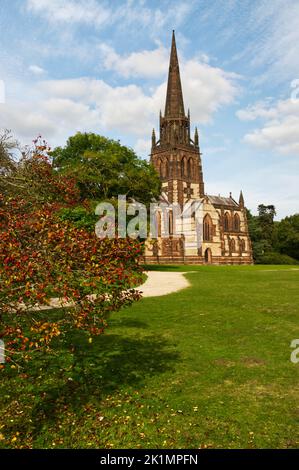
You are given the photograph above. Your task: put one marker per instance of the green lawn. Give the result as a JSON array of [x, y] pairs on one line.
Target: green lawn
[[207, 366]]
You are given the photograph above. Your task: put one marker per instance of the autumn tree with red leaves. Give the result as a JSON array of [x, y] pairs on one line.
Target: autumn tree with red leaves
[[43, 258]]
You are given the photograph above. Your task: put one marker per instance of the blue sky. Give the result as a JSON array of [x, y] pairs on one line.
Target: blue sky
[[74, 65]]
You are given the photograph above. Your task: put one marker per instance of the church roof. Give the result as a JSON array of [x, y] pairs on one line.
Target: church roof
[[223, 201], [174, 106]]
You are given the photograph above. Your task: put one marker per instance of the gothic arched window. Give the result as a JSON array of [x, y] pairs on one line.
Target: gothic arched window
[[190, 168], [158, 223], [183, 167], [167, 169], [193, 222], [207, 228], [226, 222], [233, 245], [164, 169], [236, 223], [170, 222], [159, 165]]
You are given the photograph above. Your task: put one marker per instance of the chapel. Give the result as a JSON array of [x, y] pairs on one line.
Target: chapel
[[216, 230]]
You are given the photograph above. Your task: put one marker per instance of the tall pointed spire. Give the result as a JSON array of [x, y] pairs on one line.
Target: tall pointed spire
[[241, 199], [175, 155], [174, 106]]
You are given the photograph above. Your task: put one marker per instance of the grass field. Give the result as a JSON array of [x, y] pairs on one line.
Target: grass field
[[207, 366]]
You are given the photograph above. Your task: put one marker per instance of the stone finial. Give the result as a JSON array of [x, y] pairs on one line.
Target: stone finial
[[196, 143], [153, 138]]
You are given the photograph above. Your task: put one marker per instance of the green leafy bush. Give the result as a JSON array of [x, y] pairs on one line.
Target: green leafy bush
[[277, 258], [80, 217]]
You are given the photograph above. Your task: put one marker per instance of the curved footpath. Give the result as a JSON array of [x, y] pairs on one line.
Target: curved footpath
[[163, 283], [157, 283]]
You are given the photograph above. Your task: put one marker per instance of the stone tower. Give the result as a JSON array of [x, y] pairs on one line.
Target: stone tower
[[175, 155], [215, 231]]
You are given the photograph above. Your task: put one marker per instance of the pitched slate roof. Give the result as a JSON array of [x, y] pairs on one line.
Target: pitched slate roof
[[223, 201]]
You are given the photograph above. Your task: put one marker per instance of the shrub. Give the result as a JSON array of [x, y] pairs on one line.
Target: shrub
[[277, 258], [81, 217]]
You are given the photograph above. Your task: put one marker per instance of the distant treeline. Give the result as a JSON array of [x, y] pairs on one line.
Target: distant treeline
[[274, 242]]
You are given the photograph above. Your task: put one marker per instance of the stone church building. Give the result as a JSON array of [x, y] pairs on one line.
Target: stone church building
[[220, 221]]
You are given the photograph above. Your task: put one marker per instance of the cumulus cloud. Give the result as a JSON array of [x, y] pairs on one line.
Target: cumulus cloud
[[205, 88], [145, 63], [261, 109], [58, 108], [122, 108], [36, 70], [130, 109], [279, 130], [25, 122]]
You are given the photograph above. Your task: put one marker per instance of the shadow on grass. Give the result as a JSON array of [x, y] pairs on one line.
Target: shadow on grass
[[127, 323], [161, 267], [97, 370]]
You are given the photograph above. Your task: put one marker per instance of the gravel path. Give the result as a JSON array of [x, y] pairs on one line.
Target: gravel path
[[157, 283], [163, 283]]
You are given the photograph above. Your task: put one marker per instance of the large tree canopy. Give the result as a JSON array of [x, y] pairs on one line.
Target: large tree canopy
[[103, 168], [287, 236], [273, 242]]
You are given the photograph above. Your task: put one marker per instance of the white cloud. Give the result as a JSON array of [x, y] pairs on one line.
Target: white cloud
[[206, 89], [70, 11], [262, 109], [102, 13], [26, 123], [154, 19], [36, 70], [280, 126], [143, 147], [58, 108], [281, 136], [130, 109], [120, 109], [145, 63]]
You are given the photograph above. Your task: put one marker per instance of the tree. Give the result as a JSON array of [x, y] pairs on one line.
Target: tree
[[272, 241], [31, 176], [287, 236], [103, 169], [7, 162], [259, 245], [43, 257], [261, 231], [266, 216]]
